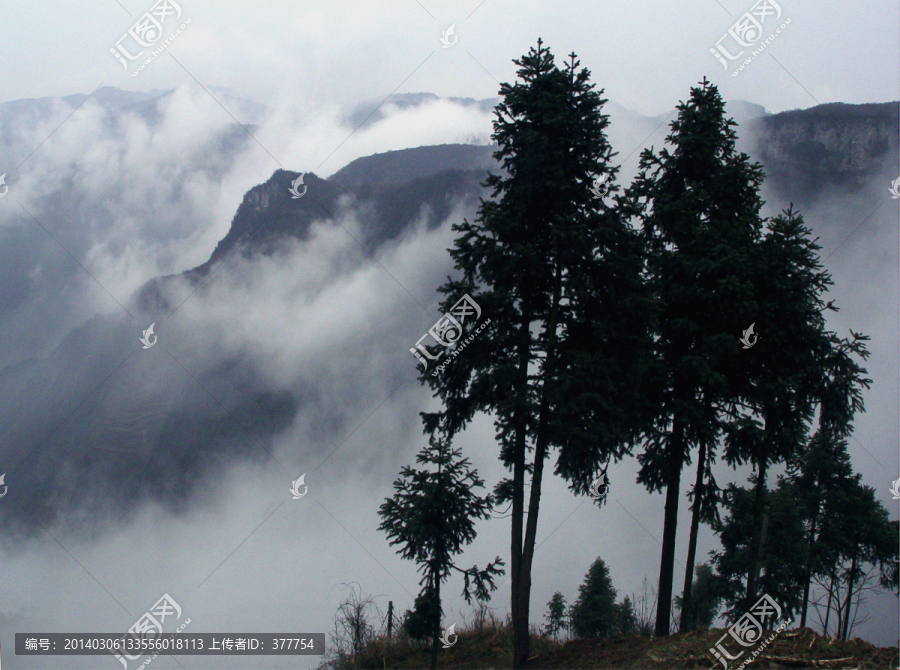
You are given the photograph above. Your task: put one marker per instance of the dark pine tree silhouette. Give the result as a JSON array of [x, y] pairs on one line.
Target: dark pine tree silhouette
[[556, 615], [594, 613], [781, 568], [432, 517], [796, 365], [816, 476], [626, 620], [698, 205], [705, 600], [860, 537], [535, 259], [835, 532]]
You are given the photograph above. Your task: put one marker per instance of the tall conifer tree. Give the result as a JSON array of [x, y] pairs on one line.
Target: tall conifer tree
[[432, 517], [698, 203], [551, 265]]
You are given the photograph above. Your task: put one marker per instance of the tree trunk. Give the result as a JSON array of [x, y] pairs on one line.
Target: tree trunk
[[687, 614], [850, 579], [540, 453], [522, 601], [807, 575], [390, 619], [674, 456], [516, 557], [522, 644], [520, 626], [828, 606], [762, 544], [756, 542], [534, 502], [436, 630]]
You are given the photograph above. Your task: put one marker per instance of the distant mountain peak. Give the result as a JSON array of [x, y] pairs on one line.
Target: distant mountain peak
[[405, 165]]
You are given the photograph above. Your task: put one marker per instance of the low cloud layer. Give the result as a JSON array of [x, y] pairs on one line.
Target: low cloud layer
[[170, 471]]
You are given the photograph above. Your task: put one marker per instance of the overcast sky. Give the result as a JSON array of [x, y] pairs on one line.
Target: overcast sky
[[148, 205], [644, 53]]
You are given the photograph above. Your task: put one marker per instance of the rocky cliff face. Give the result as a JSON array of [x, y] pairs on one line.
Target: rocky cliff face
[[809, 153], [806, 154]]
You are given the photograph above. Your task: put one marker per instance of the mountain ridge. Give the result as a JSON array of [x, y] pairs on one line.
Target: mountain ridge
[[778, 139]]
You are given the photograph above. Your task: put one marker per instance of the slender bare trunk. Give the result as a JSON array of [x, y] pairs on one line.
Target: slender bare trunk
[[807, 575], [522, 647], [850, 579], [687, 615], [390, 619], [522, 644], [516, 552], [674, 456], [520, 627], [756, 542], [436, 628], [828, 606]]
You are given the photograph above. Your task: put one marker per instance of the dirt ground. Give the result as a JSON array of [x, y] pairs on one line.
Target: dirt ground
[[492, 648], [800, 648]]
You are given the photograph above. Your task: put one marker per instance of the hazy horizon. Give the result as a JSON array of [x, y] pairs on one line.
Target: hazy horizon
[[102, 199]]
